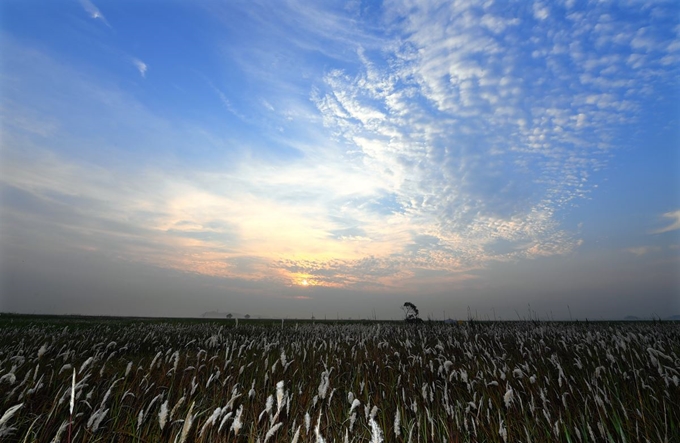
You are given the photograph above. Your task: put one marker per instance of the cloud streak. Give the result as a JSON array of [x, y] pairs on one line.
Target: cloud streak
[[94, 12], [673, 226]]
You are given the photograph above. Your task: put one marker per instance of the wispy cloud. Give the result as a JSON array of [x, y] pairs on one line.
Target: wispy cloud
[[141, 66], [94, 12], [226, 102], [674, 224], [643, 250]]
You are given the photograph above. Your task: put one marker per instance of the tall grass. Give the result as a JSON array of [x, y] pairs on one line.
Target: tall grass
[[495, 382]]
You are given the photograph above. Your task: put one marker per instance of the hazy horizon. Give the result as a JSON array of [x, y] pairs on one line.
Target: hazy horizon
[[289, 159]]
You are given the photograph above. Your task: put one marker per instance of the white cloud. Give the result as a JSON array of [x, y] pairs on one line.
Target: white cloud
[[540, 11], [643, 41], [675, 223], [94, 12], [141, 66]]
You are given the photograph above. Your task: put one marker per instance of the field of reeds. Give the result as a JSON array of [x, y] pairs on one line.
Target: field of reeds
[[150, 381]]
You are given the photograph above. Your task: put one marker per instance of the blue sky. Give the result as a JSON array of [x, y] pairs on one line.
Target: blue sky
[[289, 158]]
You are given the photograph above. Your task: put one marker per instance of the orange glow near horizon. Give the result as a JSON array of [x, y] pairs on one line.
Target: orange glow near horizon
[[305, 280]]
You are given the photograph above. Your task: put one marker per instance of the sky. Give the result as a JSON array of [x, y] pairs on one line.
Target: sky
[[292, 158]]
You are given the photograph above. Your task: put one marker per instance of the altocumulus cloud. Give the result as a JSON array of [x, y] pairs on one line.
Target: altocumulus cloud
[[484, 125], [436, 139]]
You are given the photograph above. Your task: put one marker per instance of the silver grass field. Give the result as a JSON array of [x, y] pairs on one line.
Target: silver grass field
[[266, 381]]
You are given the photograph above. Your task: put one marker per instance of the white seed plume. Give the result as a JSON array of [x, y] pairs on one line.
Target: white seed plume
[[155, 359], [73, 391], [108, 392], [176, 407], [508, 397], [99, 419], [355, 404], [236, 425], [175, 358], [232, 400], [4, 429], [297, 435], [42, 350], [267, 408], [376, 433], [9, 378], [93, 417], [502, 431], [188, 421], [224, 420], [317, 431], [85, 365], [272, 431], [216, 413], [323, 385], [62, 428], [279, 395], [163, 415]]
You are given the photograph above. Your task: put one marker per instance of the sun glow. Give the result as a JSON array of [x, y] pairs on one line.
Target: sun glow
[[302, 280]]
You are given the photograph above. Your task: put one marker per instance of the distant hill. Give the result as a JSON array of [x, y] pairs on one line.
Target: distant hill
[[673, 317], [631, 317]]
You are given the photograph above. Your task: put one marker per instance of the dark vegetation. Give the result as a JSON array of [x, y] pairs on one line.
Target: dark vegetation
[[475, 381]]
